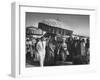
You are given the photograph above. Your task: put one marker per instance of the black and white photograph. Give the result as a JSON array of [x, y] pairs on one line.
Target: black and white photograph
[[56, 39]]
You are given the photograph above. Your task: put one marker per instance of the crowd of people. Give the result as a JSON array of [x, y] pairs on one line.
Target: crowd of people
[[48, 50], [79, 50]]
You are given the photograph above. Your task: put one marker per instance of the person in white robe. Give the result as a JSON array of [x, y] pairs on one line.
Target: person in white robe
[[41, 45]]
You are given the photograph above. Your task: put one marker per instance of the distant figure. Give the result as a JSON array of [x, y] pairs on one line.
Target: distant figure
[[87, 45], [82, 47], [83, 57], [41, 50]]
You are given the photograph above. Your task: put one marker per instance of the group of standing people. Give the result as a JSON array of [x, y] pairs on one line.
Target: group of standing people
[[79, 50], [48, 50]]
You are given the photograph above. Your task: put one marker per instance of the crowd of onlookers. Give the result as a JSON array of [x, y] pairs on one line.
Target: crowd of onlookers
[[79, 50], [71, 49]]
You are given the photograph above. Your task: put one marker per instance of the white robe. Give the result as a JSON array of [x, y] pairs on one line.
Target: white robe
[[41, 50]]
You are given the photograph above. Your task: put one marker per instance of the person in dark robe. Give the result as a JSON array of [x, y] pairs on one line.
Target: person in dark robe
[[87, 45], [50, 55]]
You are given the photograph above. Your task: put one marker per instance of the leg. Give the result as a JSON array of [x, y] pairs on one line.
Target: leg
[[41, 60]]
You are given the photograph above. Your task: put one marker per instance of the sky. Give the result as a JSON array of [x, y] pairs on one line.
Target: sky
[[78, 23]]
